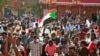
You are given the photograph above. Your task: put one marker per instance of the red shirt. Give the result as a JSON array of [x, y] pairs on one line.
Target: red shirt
[[50, 49]]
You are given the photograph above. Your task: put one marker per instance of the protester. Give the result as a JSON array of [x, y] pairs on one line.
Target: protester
[[19, 46], [50, 48], [35, 47], [4, 44], [44, 46], [83, 50], [55, 38], [22, 36], [59, 52], [72, 51], [93, 45]]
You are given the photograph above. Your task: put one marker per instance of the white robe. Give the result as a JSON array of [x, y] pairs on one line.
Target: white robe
[[48, 32]]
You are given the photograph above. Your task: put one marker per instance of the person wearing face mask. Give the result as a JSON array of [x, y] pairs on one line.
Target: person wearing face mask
[[35, 47]]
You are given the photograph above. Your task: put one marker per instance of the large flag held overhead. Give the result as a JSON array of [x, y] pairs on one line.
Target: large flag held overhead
[[51, 15]]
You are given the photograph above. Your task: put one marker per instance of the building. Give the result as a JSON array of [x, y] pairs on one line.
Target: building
[[83, 7], [17, 7]]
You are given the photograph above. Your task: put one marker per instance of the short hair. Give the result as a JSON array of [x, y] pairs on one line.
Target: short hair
[[93, 34], [84, 43], [50, 41], [32, 32], [72, 47], [53, 34], [23, 33], [35, 37], [19, 39], [43, 34], [36, 24], [48, 37], [4, 33], [60, 47]]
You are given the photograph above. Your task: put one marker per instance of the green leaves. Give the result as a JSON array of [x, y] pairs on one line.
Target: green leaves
[[37, 10], [4, 2]]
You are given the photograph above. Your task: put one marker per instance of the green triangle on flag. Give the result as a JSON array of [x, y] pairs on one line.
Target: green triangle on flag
[[53, 15]]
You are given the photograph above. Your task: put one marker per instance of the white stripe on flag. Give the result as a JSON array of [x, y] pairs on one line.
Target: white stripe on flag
[[43, 19]]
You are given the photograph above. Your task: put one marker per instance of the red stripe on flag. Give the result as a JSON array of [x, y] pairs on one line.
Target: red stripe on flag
[[39, 21], [51, 10]]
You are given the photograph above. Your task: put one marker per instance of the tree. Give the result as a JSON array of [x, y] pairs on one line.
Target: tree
[[4, 2], [37, 10]]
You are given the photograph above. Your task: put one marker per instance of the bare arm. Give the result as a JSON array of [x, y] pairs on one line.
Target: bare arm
[[6, 53], [15, 48]]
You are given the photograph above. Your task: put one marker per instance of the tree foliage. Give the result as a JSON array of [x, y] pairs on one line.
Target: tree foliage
[[37, 10], [4, 2]]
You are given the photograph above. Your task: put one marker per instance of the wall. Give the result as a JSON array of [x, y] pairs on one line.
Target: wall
[[75, 9]]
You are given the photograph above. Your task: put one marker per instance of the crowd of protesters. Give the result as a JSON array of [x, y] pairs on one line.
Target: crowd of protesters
[[71, 36]]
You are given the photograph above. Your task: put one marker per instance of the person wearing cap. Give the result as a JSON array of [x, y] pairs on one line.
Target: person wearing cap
[[35, 47], [50, 48]]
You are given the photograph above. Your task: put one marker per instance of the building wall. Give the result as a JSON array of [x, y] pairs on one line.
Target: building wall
[[19, 5], [76, 6], [76, 9]]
